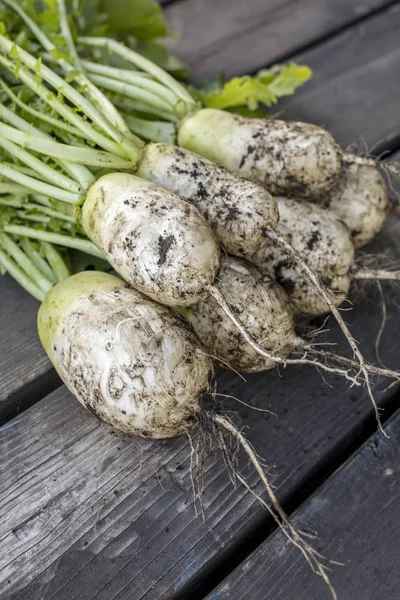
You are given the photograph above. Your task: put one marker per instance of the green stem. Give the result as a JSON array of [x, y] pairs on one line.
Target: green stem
[[22, 169], [131, 91], [12, 201], [44, 221], [37, 259], [63, 109], [55, 214], [128, 104], [13, 188], [66, 31], [77, 99], [45, 201], [141, 62], [134, 77], [79, 172], [153, 131], [55, 238], [38, 186], [56, 123], [56, 262], [34, 218], [20, 277], [74, 154], [97, 97], [15, 252], [46, 172]]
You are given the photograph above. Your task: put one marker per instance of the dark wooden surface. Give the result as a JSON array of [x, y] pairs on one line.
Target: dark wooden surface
[[353, 92], [25, 372], [87, 514], [239, 37], [353, 518]]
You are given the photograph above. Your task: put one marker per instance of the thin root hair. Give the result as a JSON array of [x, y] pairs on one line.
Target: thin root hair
[[324, 293], [263, 410], [213, 422], [278, 360], [382, 325]]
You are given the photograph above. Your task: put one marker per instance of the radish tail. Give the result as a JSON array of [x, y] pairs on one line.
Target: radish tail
[[321, 289]]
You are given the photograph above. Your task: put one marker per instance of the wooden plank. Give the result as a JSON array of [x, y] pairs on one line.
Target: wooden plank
[[87, 514], [145, 539], [354, 91], [24, 368], [353, 519], [212, 35]]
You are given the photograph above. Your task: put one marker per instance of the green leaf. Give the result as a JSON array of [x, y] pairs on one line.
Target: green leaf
[[7, 215], [264, 88], [284, 80], [142, 19]]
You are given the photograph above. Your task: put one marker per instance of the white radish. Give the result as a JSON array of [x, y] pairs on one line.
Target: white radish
[[155, 240], [360, 199], [319, 235], [266, 337], [236, 210], [127, 359], [263, 308], [326, 245], [286, 157], [295, 159]]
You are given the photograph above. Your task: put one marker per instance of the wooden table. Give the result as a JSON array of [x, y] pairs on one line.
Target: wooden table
[[88, 514]]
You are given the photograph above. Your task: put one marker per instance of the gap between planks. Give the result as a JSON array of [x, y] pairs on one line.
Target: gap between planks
[[229, 560], [355, 516]]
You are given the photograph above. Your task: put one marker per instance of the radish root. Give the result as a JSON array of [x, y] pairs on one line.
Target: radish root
[[372, 161], [377, 274], [363, 365], [217, 295], [214, 423], [382, 325]]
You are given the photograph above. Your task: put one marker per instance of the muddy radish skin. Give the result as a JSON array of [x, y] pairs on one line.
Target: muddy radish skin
[[286, 157], [325, 243], [236, 210], [261, 305], [127, 359], [155, 240], [360, 199]]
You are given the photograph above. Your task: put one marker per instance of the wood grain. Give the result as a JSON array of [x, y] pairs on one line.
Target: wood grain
[[23, 363], [352, 519], [87, 514], [354, 91], [236, 37]]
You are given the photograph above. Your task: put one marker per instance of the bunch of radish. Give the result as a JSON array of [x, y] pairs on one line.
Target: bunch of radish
[[214, 237]]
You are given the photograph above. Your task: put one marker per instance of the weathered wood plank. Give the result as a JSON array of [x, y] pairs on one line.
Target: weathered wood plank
[[23, 364], [86, 514], [353, 518], [144, 539], [354, 91], [213, 35]]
